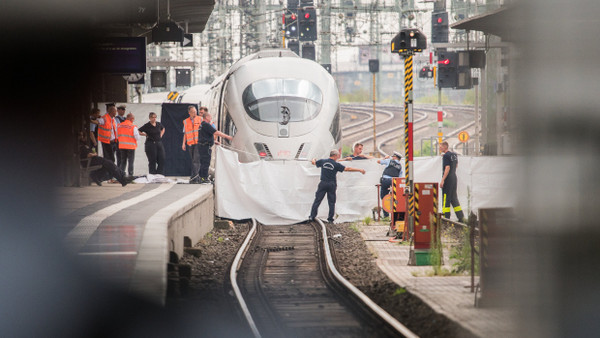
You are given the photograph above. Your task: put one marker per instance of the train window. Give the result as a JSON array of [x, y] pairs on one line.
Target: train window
[[265, 100], [334, 129], [230, 128]]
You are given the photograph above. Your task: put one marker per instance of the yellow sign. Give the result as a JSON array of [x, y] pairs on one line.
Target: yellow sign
[[463, 136], [387, 203], [172, 96]]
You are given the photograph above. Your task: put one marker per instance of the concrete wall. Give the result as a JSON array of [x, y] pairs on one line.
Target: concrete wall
[[193, 220]]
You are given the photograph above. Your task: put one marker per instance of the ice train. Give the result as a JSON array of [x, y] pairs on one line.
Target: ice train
[[277, 106]]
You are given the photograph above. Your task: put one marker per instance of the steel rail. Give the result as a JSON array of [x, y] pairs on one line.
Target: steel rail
[[233, 277], [359, 294]]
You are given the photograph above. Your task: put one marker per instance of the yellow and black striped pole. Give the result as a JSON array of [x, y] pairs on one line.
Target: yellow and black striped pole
[[408, 138]]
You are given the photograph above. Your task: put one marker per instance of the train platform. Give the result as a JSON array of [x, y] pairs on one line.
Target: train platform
[[447, 295], [126, 236]]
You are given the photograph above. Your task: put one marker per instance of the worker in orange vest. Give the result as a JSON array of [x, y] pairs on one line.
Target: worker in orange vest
[[191, 126], [128, 135], [107, 132]]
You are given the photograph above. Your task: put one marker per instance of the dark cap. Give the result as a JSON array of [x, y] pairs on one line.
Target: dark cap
[[121, 107], [397, 154], [110, 104]]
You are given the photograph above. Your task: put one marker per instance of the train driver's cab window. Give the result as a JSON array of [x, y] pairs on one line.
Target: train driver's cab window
[[267, 100]]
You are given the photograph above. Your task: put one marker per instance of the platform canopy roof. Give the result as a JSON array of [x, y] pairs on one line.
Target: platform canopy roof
[[112, 17], [504, 22]]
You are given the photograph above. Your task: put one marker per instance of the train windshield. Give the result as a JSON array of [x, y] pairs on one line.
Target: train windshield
[[282, 100]]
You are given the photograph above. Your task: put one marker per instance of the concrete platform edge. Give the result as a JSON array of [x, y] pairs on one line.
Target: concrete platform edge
[[191, 216]]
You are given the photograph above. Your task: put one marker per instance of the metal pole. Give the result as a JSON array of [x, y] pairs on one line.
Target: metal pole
[[440, 116], [374, 124], [283, 30], [472, 242], [408, 138], [378, 202], [477, 120]]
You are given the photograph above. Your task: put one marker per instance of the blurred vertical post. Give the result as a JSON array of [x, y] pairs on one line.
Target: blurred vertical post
[[374, 123], [557, 104], [374, 69]]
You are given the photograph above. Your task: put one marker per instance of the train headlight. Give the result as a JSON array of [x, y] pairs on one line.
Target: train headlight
[[263, 151]]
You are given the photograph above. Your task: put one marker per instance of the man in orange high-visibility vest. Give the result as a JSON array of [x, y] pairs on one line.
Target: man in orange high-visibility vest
[[128, 135], [191, 126], [107, 132]]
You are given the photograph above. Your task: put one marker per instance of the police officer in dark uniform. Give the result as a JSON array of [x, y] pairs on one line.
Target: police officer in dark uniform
[[449, 182], [205, 142], [393, 169], [328, 185]]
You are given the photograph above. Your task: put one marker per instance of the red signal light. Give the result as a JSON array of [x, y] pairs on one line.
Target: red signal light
[[307, 15], [444, 62], [293, 16], [262, 154], [439, 20]]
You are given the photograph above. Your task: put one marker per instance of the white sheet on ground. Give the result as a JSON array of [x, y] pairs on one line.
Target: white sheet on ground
[[150, 178], [276, 192]]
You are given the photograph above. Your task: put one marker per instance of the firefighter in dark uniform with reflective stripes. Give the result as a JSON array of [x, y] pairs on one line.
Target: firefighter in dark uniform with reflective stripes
[[393, 169], [449, 182]]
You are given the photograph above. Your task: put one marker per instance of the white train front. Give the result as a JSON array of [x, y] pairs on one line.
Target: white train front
[[277, 106]]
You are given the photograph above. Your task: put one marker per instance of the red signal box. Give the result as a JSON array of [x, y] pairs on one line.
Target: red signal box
[[426, 206]]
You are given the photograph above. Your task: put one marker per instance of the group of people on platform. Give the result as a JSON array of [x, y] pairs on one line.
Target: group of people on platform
[[118, 136], [199, 135], [331, 166]]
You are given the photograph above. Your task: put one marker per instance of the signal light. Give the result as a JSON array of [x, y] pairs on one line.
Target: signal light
[[409, 40], [439, 27], [294, 16], [444, 62], [307, 24]]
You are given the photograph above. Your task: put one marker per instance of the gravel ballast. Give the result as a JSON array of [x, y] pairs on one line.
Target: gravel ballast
[[206, 299]]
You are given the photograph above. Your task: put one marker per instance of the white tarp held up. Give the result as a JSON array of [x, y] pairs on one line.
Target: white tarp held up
[[276, 192]]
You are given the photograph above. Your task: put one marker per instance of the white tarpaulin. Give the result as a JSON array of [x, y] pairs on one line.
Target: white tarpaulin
[[276, 192]]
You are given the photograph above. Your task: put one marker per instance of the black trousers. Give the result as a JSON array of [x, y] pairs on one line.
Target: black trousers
[[118, 155], [155, 151], [108, 151], [450, 198], [109, 169], [127, 157], [205, 156], [329, 188], [195, 156]]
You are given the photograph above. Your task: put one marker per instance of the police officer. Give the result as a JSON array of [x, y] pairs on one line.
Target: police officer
[[206, 139], [393, 169], [328, 185], [155, 151], [449, 182]]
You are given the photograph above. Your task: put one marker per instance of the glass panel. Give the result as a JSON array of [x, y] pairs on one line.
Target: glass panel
[[264, 100]]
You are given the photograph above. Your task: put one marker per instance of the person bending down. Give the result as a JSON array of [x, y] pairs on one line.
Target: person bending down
[[109, 169]]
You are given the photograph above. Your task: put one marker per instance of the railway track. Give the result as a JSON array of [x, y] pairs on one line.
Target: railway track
[[287, 286], [391, 125]]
